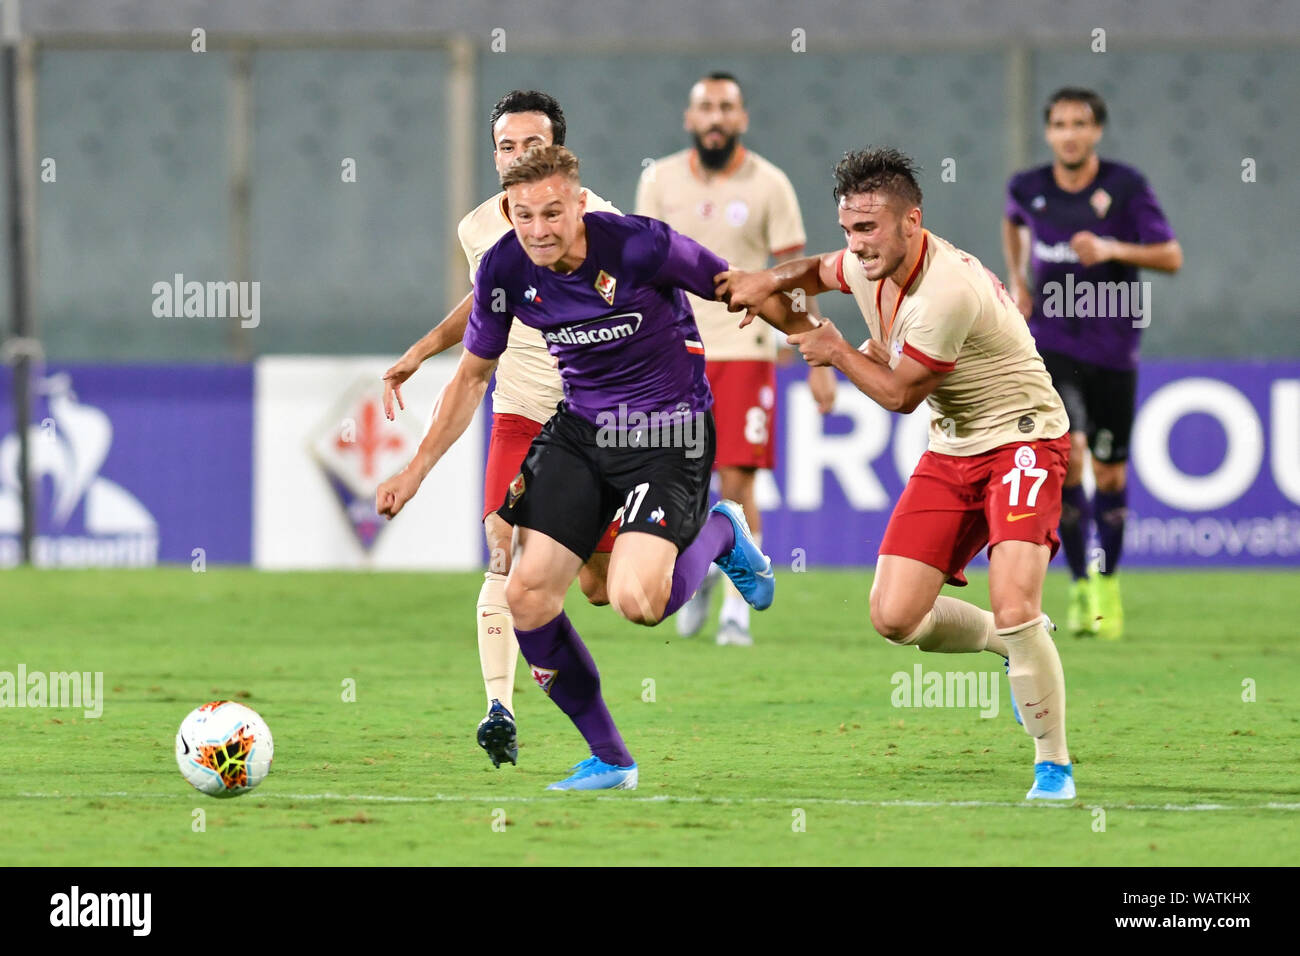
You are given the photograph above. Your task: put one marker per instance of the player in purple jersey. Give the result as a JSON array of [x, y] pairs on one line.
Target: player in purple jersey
[[635, 430], [1085, 226]]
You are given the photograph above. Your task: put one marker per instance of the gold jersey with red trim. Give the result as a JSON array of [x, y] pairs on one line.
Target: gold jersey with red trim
[[743, 213], [954, 315], [527, 383]]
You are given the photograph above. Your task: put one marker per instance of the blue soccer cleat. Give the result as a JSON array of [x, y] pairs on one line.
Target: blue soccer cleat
[[1015, 708], [496, 735], [748, 567], [594, 774], [1052, 781]]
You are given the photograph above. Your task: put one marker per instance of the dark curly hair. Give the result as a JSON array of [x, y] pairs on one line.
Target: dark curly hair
[[1077, 94], [878, 169], [529, 101]]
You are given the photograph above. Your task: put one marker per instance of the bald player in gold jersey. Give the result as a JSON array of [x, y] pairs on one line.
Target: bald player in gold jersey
[[743, 208], [527, 392], [944, 331]]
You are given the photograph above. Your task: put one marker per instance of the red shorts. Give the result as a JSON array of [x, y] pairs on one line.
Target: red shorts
[[744, 411], [953, 506], [512, 436]]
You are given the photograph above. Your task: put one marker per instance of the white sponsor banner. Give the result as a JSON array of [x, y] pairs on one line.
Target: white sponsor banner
[[322, 445]]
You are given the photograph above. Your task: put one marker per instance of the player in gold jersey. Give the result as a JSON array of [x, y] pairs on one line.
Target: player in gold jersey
[[737, 204], [526, 394], [944, 331]]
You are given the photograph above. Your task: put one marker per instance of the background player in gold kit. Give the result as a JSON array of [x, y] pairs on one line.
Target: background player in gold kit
[[737, 204]]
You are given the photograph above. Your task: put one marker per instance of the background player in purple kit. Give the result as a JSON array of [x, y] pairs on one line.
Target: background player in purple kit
[[608, 294], [1086, 225]]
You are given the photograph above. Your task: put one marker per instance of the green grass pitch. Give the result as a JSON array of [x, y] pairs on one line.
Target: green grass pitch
[[790, 752]]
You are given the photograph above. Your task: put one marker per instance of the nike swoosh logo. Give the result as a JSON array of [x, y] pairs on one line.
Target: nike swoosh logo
[[186, 744], [766, 574], [1037, 702], [1028, 514]]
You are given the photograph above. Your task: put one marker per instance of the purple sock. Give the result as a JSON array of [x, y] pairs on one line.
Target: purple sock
[[715, 539], [1076, 519], [1111, 511], [562, 667]]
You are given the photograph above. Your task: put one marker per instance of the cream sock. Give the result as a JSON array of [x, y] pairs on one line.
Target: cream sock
[[498, 650], [734, 608], [1038, 683], [953, 626]]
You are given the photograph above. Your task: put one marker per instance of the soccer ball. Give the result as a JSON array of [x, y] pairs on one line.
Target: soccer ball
[[224, 749]]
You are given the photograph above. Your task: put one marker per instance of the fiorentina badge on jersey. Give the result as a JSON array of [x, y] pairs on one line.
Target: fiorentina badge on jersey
[[1100, 202], [605, 286]]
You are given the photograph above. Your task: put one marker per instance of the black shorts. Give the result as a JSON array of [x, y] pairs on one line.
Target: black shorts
[[574, 479], [1099, 402]]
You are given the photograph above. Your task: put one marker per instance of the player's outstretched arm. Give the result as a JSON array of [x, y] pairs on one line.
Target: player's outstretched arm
[[749, 290], [441, 337], [782, 313], [900, 389], [788, 313], [452, 414]]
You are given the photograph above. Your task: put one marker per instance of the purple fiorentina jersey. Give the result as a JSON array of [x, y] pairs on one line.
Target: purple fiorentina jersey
[[619, 324], [1094, 314]]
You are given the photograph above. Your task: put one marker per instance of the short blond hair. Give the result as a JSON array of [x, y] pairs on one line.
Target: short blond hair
[[541, 162]]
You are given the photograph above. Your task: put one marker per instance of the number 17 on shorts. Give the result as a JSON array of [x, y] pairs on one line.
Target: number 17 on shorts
[[1023, 499]]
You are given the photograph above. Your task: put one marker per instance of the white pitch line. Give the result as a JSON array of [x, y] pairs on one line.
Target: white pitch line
[[667, 798]]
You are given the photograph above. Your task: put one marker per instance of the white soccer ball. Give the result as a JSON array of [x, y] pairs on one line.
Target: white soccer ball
[[224, 749]]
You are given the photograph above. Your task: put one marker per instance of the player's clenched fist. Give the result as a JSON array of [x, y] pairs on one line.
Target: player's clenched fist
[[742, 290], [394, 493], [819, 346], [1091, 249]]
